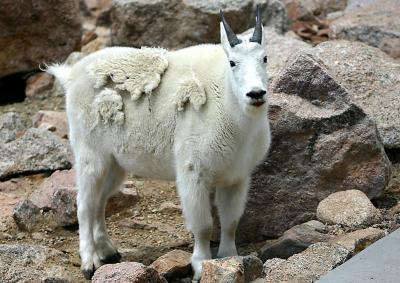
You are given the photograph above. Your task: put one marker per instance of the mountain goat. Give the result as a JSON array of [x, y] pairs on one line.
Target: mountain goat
[[196, 115]]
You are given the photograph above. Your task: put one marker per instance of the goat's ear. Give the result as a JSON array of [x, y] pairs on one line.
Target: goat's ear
[[224, 38]]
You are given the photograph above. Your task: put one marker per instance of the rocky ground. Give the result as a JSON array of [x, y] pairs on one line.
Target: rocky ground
[[334, 74]]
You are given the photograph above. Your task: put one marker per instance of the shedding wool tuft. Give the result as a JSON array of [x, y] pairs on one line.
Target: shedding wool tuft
[[137, 72], [109, 107], [190, 91]]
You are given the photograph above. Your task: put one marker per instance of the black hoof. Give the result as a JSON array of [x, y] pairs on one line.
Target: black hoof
[[114, 258], [88, 273]]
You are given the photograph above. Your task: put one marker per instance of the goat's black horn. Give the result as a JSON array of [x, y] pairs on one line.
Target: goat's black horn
[[232, 38], [257, 35]]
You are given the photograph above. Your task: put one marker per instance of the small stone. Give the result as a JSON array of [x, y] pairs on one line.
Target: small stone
[[295, 240], [358, 240], [253, 268], [169, 207], [229, 269], [127, 272], [173, 264], [351, 208], [123, 198], [55, 121], [26, 215], [308, 265]]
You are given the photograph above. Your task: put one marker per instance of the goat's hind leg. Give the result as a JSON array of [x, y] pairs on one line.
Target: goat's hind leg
[[90, 170], [105, 249]]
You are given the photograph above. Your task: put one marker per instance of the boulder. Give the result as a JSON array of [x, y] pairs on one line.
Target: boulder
[[11, 127], [23, 263], [36, 150], [127, 272], [358, 240], [37, 32], [54, 203], [304, 10], [175, 24], [350, 208], [372, 80], [54, 121], [236, 269], [39, 85], [376, 23], [175, 263], [307, 266], [321, 143], [295, 240]]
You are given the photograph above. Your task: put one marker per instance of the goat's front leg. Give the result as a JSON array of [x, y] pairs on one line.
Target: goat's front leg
[[195, 199], [230, 202]]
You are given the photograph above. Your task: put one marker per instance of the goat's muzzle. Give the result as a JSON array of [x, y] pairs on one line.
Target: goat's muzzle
[[257, 97]]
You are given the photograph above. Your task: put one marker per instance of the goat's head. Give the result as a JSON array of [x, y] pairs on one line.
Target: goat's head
[[247, 60]]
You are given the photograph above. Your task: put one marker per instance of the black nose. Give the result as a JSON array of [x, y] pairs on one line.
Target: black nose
[[256, 94]]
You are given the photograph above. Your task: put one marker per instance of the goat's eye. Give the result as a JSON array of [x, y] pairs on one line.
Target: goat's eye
[[265, 59], [233, 64]]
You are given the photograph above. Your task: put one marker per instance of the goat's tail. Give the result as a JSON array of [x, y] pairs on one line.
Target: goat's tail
[[62, 72]]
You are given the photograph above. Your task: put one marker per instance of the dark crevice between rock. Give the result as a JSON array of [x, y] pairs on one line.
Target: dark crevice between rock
[[32, 172], [12, 88], [393, 155]]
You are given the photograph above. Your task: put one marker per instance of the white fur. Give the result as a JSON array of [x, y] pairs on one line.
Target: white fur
[[213, 143]]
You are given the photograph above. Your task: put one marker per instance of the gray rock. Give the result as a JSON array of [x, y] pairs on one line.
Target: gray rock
[[236, 269], [10, 126], [350, 208], [358, 240], [25, 215], [372, 79], [128, 272], [37, 32], [307, 266], [270, 264], [295, 240], [35, 151], [53, 204], [321, 143], [253, 268], [376, 23], [174, 24], [175, 263], [27, 263]]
